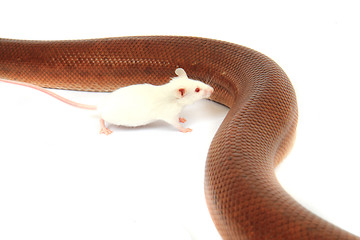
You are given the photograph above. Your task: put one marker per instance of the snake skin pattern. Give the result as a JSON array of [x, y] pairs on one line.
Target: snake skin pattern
[[243, 195]]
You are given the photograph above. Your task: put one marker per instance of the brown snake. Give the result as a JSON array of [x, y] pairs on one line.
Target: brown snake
[[243, 195]]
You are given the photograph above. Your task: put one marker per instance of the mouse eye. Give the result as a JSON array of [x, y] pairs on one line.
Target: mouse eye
[[197, 90]]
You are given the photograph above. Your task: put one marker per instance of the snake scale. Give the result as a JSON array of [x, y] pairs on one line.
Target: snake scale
[[243, 195]]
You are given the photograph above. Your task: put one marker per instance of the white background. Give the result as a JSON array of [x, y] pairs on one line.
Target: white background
[[60, 179]]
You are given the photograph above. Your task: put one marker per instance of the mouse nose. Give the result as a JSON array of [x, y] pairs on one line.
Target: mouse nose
[[209, 91]]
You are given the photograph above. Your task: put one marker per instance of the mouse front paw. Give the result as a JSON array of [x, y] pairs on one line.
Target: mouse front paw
[[185, 130], [182, 120]]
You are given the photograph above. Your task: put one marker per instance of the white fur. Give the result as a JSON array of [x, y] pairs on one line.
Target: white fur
[[141, 104]]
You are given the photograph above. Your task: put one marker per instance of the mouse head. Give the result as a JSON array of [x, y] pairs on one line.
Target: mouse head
[[188, 91]]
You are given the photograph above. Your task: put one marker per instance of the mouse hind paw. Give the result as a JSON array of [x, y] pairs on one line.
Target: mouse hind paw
[[103, 129]]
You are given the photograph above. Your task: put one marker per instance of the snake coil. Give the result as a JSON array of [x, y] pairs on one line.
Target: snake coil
[[243, 195]]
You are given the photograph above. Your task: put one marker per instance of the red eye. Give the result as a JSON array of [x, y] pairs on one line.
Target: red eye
[[197, 90]]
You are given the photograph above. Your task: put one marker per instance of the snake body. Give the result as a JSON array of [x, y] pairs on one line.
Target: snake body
[[243, 195]]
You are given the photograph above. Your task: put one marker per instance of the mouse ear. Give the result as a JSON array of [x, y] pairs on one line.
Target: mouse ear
[[181, 92], [180, 72]]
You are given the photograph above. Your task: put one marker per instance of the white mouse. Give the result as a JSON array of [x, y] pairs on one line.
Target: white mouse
[[141, 104]]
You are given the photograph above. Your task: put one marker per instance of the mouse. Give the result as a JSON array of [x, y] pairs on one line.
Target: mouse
[[141, 104]]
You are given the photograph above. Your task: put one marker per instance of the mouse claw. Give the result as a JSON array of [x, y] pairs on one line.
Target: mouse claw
[[182, 120]]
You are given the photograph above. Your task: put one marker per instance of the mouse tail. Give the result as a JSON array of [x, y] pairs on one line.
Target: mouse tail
[[58, 97]]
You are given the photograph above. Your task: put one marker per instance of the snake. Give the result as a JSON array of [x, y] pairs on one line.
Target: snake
[[243, 195]]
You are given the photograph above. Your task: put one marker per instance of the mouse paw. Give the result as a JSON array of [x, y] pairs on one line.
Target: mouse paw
[[182, 120], [185, 130], [105, 131]]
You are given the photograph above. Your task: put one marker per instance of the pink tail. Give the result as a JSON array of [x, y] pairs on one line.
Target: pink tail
[[75, 104]]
